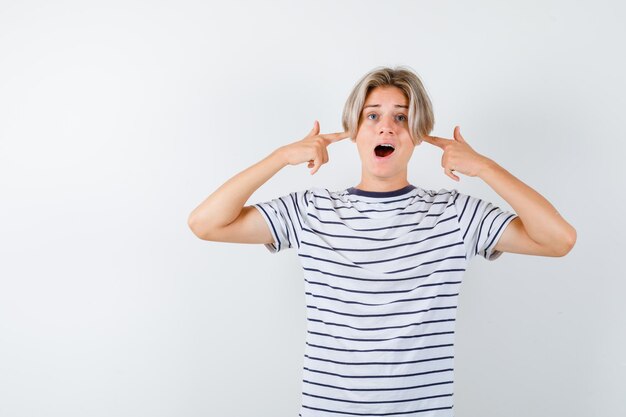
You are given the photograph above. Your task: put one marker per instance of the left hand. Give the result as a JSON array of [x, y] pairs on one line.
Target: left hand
[[458, 155]]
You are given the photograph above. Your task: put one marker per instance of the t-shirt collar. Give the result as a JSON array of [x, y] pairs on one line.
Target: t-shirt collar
[[393, 193]]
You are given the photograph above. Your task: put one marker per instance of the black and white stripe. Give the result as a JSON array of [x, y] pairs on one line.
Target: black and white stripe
[[382, 275]]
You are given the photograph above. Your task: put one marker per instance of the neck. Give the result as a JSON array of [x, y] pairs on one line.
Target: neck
[[382, 184]]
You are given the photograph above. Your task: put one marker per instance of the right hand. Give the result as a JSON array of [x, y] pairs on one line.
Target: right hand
[[312, 148]]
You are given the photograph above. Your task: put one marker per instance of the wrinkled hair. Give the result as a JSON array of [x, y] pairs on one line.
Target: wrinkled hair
[[421, 119]]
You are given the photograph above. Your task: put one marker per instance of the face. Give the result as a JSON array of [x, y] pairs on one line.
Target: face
[[384, 119]]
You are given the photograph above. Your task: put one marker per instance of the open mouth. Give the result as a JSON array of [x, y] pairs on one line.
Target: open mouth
[[383, 151]]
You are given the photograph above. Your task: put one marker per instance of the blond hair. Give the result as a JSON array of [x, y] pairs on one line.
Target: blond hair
[[420, 119]]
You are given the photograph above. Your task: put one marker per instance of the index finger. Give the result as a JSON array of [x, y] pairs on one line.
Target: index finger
[[334, 137], [435, 140]]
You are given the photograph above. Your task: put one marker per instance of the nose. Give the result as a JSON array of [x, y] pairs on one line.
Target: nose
[[386, 124]]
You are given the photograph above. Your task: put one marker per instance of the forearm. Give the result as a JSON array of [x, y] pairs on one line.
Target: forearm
[[541, 220], [224, 205]]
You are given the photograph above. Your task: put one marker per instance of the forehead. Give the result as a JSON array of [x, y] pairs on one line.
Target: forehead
[[386, 96]]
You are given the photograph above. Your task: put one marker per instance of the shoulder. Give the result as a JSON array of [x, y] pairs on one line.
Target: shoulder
[[324, 194], [309, 198], [437, 196]]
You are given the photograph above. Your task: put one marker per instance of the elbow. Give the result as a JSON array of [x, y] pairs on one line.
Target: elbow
[[193, 225], [567, 243]]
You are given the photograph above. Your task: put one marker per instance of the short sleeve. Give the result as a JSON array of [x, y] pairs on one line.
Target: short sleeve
[[481, 224], [284, 217]]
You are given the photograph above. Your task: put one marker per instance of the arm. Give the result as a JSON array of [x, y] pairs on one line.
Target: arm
[[223, 217], [226, 203], [540, 229]]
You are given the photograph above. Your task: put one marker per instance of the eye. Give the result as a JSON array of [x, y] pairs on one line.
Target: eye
[[402, 117]]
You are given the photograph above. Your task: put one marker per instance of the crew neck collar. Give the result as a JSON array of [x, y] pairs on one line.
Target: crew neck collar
[[393, 193]]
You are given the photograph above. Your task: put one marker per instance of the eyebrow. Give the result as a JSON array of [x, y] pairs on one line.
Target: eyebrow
[[378, 105]]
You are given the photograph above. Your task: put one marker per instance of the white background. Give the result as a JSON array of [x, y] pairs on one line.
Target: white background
[[117, 118]]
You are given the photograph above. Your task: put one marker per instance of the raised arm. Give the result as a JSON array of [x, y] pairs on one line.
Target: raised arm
[[539, 229], [223, 217], [210, 220]]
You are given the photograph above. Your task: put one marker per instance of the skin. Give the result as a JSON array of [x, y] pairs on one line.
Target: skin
[[385, 123]]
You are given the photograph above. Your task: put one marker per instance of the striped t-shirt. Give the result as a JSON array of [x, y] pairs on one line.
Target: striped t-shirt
[[382, 273]]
